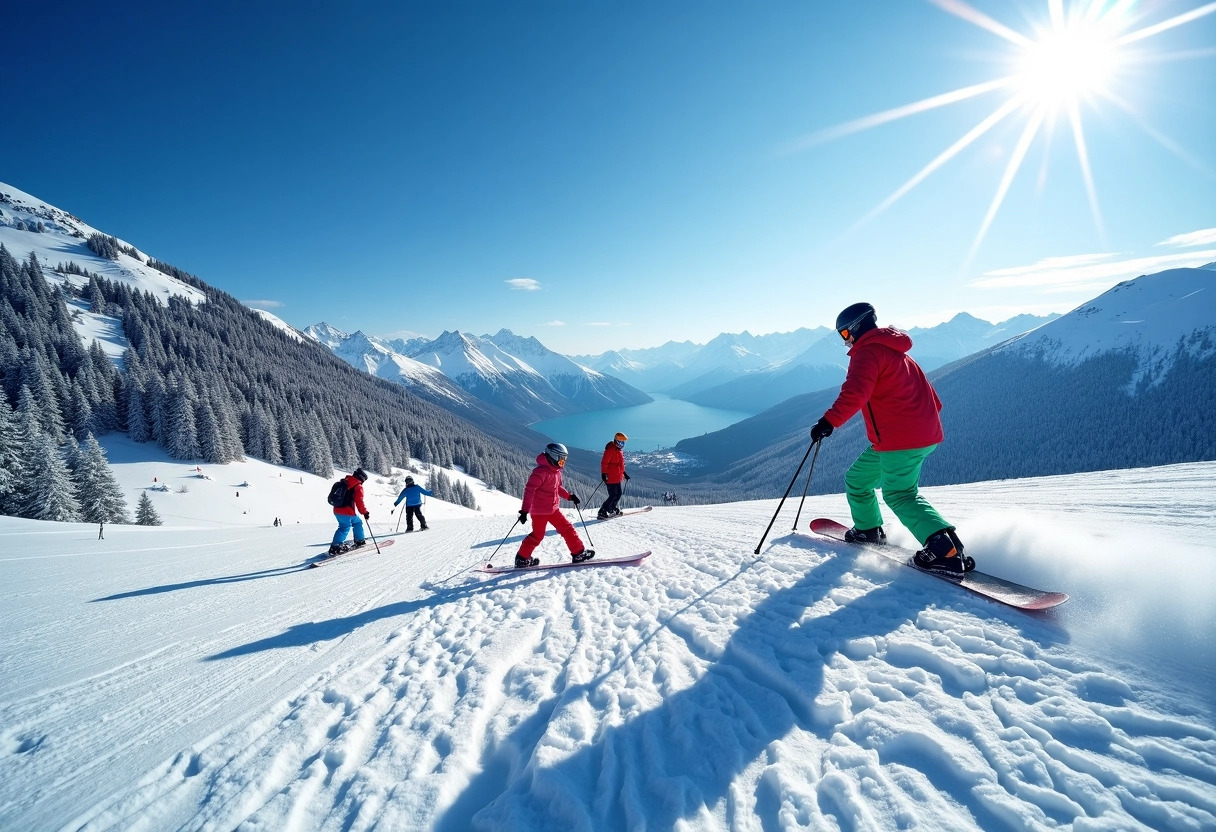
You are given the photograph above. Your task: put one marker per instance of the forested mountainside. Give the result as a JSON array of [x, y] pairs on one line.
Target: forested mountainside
[[213, 381]]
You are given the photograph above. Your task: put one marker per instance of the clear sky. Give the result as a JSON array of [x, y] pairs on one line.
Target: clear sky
[[605, 175]]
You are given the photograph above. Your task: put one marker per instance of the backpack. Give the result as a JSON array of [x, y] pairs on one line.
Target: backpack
[[339, 494]]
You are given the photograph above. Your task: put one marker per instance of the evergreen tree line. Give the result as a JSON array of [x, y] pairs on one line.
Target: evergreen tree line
[[444, 488], [214, 382]]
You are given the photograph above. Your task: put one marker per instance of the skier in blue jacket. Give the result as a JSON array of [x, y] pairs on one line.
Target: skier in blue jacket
[[412, 494]]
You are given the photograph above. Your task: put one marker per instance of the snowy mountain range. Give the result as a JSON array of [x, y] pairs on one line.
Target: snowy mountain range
[[754, 372], [1124, 380], [516, 375]]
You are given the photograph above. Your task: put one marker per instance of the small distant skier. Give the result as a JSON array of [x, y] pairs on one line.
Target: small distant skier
[[903, 423], [612, 472], [346, 516], [412, 494], [101, 530], [541, 497]]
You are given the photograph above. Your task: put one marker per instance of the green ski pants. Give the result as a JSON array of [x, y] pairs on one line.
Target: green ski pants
[[897, 474]]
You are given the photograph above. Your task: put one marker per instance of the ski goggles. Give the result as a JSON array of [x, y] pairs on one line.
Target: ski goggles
[[618, 443]]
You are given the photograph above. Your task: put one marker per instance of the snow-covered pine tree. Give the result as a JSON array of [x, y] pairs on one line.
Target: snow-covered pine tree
[[100, 495], [50, 493], [145, 512], [181, 442], [8, 452]]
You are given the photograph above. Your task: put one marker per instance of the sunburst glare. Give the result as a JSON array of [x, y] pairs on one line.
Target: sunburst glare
[[1074, 58]]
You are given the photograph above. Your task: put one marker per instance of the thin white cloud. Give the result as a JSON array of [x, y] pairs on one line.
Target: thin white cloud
[[1066, 274], [264, 304], [555, 323], [1205, 237], [523, 284]]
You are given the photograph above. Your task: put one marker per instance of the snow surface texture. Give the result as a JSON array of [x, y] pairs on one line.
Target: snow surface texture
[[201, 677]]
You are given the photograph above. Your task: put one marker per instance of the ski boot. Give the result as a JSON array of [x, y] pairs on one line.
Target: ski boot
[[335, 549], [603, 515], [585, 555], [523, 563], [875, 535], [943, 554], [357, 544]]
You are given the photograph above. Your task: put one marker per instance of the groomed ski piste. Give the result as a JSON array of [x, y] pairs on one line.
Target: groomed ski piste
[[199, 676]]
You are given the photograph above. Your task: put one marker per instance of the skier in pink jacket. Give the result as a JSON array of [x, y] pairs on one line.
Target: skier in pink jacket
[[541, 497]]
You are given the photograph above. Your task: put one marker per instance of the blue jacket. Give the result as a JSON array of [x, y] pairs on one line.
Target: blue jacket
[[412, 495]]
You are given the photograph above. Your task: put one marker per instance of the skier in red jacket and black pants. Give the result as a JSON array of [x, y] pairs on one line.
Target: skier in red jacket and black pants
[[612, 472], [901, 412], [346, 516]]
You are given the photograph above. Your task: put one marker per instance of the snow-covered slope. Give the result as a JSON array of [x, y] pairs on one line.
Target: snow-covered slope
[[203, 678], [62, 238]]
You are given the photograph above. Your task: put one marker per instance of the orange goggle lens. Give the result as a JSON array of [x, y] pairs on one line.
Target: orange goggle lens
[[844, 333], [561, 462]]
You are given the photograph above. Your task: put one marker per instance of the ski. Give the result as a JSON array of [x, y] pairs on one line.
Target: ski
[[625, 513], [980, 583], [503, 570], [369, 547]]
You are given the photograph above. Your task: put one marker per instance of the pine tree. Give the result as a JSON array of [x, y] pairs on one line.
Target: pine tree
[[145, 512], [100, 496], [52, 495], [9, 453]]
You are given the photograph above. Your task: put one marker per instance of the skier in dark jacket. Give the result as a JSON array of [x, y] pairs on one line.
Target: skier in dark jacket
[[412, 494], [541, 496], [346, 516], [612, 472], [903, 423]]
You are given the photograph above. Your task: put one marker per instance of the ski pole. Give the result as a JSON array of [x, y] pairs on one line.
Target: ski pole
[[372, 534], [399, 521], [806, 487], [584, 522], [787, 493], [504, 540]]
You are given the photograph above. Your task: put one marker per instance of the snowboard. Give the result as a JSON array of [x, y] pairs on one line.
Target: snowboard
[[989, 586], [370, 547], [625, 513], [596, 561]]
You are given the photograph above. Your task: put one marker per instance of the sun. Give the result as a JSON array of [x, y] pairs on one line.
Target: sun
[[1067, 64], [1070, 61]]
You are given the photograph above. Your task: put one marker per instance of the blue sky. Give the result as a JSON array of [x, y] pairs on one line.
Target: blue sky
[[606, 175]]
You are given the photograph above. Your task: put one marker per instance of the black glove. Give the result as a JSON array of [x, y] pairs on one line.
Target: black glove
[[523, 516], [367, 515], [574, 499], [822, 430], [604, 477], [392, 511], [626, 476]]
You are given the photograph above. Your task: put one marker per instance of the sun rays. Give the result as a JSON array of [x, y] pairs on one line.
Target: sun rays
[[1072, 60]]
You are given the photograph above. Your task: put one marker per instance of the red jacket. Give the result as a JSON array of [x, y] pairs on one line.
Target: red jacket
[[613, 463], [354, 497], [543, 488], [899, 405]]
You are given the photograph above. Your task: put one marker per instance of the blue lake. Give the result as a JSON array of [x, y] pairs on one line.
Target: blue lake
[[660, 424]]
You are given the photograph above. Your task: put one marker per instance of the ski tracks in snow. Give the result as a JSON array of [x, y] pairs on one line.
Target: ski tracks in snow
[[810, 687]]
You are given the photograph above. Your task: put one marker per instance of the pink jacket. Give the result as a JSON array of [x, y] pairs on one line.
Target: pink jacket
[[544, 488], [899, 405]]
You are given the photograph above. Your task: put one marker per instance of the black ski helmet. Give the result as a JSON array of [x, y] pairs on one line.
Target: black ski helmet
[[360, 475], [856, 320], [409, 480], [557, 453]]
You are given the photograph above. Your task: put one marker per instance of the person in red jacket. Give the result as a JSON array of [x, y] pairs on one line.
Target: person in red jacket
[[903, 423], [541, 496], [612, 471], [346, 516]]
